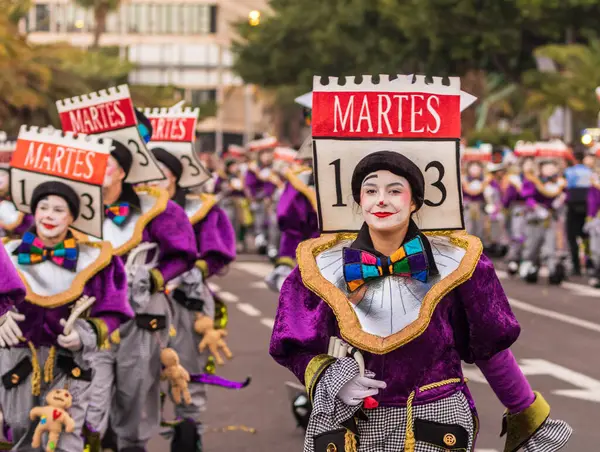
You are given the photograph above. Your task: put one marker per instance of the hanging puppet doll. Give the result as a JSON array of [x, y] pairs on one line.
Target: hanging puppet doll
[[229, 188], [474, 182], [544, 195], [76, 291], [376, 322], [12, 222], [296, 215], [514, 202], [199, 319], [155, 239], [261, 183]]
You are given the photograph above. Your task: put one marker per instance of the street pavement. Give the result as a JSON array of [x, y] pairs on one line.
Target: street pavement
[[558, 351]]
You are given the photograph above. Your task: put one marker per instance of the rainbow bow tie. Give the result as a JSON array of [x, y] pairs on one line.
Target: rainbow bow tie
[[409, 260], [117, 212], [32, 251]]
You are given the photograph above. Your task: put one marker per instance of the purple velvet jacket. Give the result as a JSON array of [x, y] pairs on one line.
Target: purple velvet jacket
[[297, 221], [173, 233], [12, 289], [470, 198], [532, 195], [258, 188], [109, 287], [473, 323], [593, 201], [215, 237], [512, 194]]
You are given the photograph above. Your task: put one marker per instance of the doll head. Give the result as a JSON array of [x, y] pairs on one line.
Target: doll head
[[55, 207], [389, 188], [59, 398], [169, 357]]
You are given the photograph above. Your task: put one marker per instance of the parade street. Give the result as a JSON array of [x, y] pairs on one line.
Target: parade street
[[557, 351]]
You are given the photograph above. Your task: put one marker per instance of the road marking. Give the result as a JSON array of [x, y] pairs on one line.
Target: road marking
[[267, 322], [259, 269], [578, 289], [214, 287], [228, 297], [554, 315], [259, 285], [248, 309]]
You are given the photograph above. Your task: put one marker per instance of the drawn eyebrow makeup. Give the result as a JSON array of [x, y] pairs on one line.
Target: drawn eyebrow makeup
[[372, 176]]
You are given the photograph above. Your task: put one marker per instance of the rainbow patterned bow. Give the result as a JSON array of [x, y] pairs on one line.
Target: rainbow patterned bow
[[32, 251], [117, 212], [409, 260]]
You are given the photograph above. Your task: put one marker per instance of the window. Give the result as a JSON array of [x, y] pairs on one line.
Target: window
[[213, 19], [171, 18], [42, 17], [202, 96]]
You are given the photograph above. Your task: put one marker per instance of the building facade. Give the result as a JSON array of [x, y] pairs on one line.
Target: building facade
[[185, 43]]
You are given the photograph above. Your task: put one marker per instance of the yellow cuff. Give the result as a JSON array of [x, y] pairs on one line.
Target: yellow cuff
[[288, 261], [158, 280], [202, 265], [115, 337], [101, 330], [313, 371], [521, 426], [221, 315]]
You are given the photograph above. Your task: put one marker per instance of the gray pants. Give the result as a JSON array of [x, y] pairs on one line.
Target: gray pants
[[517, 233], [17, 402], [233, 213], [474, 219], [127, 379], [540, 244], [594, 233]]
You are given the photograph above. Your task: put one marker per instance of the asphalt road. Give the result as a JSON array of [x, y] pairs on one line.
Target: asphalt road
[[558, 351]]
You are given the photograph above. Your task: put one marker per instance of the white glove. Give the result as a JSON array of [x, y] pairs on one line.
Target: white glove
[[9, 330], [71, 341], [359, 388], [541, 213]]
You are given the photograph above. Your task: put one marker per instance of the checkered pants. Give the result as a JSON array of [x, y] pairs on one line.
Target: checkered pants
[[385, 431]]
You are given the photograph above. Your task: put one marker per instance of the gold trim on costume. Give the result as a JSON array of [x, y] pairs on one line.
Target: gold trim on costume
[[12, 226], [101, 330], [521, 426], [158, 279], [308, 192], [208, 202], [202, 265], [562, 183], [76, 290], [285, 260], [347, 319], [314, 369]]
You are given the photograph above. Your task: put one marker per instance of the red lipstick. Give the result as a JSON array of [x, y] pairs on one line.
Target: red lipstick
[[382, 214], [49, 226]]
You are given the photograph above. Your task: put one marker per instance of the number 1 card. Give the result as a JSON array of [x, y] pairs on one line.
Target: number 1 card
[[417, 119]]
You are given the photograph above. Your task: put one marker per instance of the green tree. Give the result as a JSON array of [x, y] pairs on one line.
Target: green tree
[[100, 9]]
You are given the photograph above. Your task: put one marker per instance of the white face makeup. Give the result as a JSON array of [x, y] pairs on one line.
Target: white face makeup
[[4, 181], [548, 170], [114, 173], [168, 183], [52, 217], [386, 201], [528, 166], [266, 157], [475, 171]]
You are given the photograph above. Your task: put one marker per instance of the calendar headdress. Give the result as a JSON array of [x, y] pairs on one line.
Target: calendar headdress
[[66, 164], [419, 120], [6, 151], [174, 133], [111, 113]]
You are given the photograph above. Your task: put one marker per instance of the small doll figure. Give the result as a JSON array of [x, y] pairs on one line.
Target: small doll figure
[[178, 377], [212, 338], [52, 418]]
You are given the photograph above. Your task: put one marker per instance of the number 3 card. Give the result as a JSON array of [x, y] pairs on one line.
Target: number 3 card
[[111, 113], [175, 132], [44, 155], [417, 119]]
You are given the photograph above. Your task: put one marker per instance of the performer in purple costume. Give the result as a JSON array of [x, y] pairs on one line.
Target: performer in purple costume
[[473, 185], [592, 227], [40, 352], [544, 196], [514, 202], [421, 395], [195, 304]]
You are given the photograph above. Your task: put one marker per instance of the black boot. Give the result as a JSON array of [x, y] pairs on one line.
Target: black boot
[[110, 441], [186, 437], [558, 275], [92, 441]]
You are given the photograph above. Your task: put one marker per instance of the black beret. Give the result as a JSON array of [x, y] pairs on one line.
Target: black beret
[[395, 163], [170, 161], [57, 189], [122, 155]]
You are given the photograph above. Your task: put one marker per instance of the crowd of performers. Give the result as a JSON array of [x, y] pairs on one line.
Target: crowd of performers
[[104, 318]]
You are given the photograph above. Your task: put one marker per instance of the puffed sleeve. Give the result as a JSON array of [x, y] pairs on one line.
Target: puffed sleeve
[[112, 307], [303, 325], [216, 241], [483, 321], [12, 290]]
